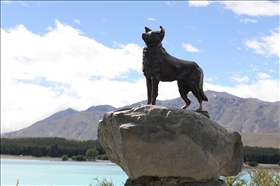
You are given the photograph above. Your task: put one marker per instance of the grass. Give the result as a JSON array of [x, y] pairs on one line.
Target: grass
[[104, 182], [258, 177]]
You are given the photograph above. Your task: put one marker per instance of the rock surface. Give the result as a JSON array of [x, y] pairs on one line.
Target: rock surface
[[152, 142]]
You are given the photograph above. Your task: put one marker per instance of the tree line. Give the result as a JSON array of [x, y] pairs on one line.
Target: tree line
[[52, 147], [261, 155], [57, 147]]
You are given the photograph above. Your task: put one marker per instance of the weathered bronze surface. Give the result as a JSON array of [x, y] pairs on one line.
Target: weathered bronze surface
[[158, 66]]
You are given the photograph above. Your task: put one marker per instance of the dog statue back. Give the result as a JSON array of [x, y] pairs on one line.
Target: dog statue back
[[158, 66]]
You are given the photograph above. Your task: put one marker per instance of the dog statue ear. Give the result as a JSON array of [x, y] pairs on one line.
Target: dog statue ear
[[162, 31], [147, 29]]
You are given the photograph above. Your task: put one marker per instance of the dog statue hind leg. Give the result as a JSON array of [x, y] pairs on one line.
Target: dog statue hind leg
[[184, 90]]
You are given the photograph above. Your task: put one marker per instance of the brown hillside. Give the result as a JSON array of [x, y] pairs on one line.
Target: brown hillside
[[243, 115], [261, 139]]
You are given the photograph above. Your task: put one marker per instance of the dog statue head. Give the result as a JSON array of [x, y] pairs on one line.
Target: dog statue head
[[153, 38]]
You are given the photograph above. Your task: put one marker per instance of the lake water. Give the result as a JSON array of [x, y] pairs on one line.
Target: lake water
[[54, 172], [47, 172]]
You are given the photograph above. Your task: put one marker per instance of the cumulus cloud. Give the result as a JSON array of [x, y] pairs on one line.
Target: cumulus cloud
[[7, 1], [42, 74], [240, 79], [171, 3], [262, 75], [77, 21], [248, 21], [198, 3], [265, 88], [190, 48], [253, 8], [266, 45], [191, 27], [151, 19]]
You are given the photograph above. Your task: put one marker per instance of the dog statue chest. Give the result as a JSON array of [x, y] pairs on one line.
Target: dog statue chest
[[151, 64]]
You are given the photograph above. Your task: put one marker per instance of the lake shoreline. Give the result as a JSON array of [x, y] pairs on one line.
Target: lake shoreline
[[46, 158], [245, 167]]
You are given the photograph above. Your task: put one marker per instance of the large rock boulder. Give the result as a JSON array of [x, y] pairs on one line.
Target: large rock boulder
[[156, 143]]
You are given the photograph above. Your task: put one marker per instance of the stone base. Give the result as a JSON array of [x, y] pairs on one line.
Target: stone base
[[151, 142], [172, 182], [203, 112]]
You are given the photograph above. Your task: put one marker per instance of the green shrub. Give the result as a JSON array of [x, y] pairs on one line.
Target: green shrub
[[235, 180], [73, 157], [91, 153], [258, 177], [80, 158], [104, 182], [261, 177], [103, 157], [253, 164], [279, 163], [64, 158]]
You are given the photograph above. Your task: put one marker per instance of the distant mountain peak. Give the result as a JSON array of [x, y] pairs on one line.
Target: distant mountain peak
[[60, 114], [103, 108]]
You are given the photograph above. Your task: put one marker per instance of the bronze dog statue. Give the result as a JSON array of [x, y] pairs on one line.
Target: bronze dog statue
[[158, 66]]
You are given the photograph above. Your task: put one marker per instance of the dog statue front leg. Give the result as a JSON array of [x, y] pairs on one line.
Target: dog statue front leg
[[155, 83], [149, 90]]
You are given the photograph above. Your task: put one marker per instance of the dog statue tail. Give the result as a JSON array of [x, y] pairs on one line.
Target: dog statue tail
[[204, 97]]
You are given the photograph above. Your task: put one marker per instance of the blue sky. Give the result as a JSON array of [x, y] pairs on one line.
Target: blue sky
[[56, 55]]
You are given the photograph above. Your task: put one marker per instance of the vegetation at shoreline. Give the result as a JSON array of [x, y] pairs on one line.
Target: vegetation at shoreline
[[92, 149], [258, 176], [103, 182], [52, 147]]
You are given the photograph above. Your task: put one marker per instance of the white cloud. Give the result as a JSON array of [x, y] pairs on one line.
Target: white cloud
[[190, 48], [253, 8], [248, 21], [103, 33], [191, 27], [49, 28], [266, 89], [243, 79], [198, 3], [7, 1], [171, 3], [80, 71], [151, 19], [266, 45], [23, 3], [77, 21], [262, 75]]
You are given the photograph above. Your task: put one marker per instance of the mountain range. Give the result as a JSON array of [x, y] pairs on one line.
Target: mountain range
[[248, 116]]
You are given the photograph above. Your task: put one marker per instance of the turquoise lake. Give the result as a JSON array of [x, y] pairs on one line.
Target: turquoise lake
[[52, 172], [56, 172]]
